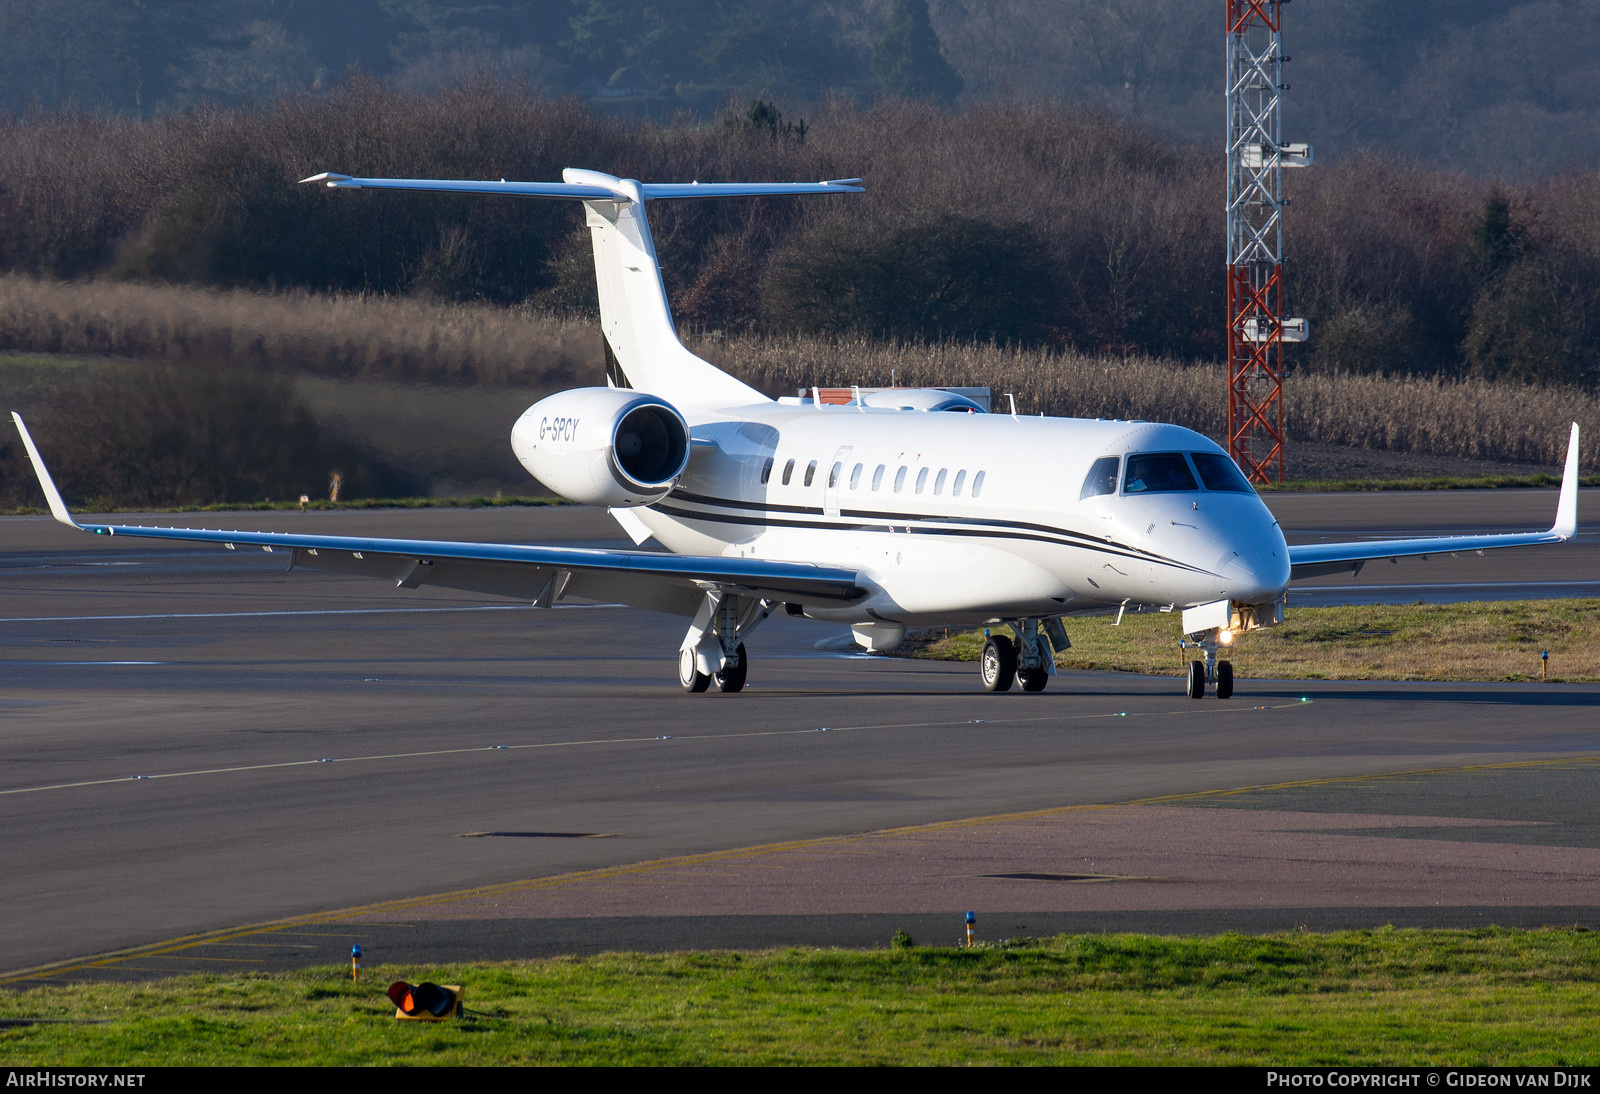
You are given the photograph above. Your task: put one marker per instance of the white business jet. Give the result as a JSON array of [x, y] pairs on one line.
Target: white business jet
[[897, 509]]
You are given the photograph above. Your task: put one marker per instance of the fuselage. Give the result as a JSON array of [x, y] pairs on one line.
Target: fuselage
[[955, 517]]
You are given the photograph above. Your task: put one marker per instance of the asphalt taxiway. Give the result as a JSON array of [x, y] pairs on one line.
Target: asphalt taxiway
[[191, 740]]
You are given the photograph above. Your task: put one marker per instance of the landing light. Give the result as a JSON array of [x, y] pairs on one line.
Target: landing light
[[1225, 636]]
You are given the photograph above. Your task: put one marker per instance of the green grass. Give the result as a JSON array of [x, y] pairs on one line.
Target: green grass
[[1495, 640], [1489, 996]]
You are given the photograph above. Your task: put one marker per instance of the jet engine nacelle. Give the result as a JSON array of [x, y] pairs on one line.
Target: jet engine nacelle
[[603, 446]]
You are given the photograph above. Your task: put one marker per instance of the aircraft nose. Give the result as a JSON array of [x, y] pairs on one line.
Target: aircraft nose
[[1257, 569]]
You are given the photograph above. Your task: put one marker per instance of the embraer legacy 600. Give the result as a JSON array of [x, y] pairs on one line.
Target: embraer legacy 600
[[900, 509]]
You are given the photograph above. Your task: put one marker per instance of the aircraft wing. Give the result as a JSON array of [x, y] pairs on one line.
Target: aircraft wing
[[1316, 559], [646, 579]]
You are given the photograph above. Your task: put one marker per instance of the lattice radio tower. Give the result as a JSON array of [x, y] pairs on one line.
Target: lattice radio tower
[[1257, 155]]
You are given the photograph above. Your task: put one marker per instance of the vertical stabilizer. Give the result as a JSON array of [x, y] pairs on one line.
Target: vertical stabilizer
[[634, 314], [642, 343]]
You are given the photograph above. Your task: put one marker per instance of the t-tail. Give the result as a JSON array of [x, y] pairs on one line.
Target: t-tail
[[634, 313]]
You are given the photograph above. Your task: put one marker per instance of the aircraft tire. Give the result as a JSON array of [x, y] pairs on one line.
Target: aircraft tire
[[998, 665], [690, 678], [1224, 679], [1033, 679], [732, 679], [1197, 679]]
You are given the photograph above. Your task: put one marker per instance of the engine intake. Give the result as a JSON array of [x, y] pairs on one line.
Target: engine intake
[[604, 446]]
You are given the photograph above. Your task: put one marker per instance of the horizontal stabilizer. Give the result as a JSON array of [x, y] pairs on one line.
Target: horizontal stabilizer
[[597, 187]]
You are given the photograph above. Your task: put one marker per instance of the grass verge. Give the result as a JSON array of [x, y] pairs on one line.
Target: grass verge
[[1494, 640], [1491, 996]]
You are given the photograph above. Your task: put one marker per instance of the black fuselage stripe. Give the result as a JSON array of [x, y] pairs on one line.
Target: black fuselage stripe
[[1074, 538], [874, 514], [1058, 539]]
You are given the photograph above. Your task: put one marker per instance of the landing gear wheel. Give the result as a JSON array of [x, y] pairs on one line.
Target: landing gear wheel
[[731, 679], [1197, 679], [1224, 679], [1033, 679], [691, 678], [998, 666]]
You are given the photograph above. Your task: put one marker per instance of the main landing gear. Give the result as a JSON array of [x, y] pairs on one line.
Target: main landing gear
[[1211, 671], [1029, 660], [713, 650]]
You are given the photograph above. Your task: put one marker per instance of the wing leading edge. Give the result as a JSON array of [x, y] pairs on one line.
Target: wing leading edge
[[1316, 559], [646, 579]]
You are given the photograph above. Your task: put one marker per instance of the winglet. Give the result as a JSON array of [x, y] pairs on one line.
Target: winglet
[[333, 181], [58, 508], [1566, 525]]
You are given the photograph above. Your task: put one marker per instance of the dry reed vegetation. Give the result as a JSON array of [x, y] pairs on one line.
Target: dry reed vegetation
[[346, 336], [1466, 419], [415, 341]]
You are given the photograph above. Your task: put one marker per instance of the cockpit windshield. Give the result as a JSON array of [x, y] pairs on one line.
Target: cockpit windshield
[[1158, 472], [1166, 473], [1219, 472]]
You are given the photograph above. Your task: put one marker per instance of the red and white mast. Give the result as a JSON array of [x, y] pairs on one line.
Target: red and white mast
[[1256, 158]]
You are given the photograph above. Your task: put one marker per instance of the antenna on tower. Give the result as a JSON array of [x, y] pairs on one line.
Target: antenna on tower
[[1257, 155]]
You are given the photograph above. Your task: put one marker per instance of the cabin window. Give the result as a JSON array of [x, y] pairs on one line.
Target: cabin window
[[811, 472], [1102, 478], [977, 483], [877, 477], [833, 475], [961, 479], [1218, 472], [766, 471], [899, 480], [1158, 473], [922, 479], [938, 483], [855, 476], [788, 472]]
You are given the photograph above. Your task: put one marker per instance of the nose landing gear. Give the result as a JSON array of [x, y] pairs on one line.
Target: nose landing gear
[[1211, 671]]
